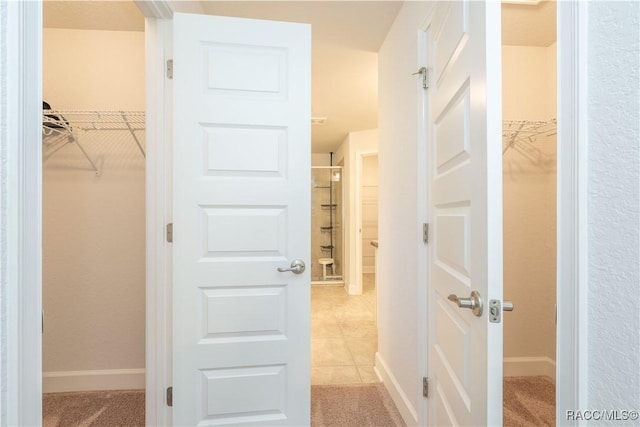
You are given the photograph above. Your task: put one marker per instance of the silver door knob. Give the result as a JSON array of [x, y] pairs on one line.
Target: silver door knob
[[474, 302], [507, 306], [297, 267]]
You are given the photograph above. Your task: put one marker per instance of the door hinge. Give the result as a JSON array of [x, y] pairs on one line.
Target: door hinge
[[170, 232], [170, 68], [424, 72], [425, 386], [425, 232], [169, 396]]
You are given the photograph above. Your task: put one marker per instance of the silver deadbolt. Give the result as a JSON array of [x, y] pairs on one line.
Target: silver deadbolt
[[474, 302], [297, 267]]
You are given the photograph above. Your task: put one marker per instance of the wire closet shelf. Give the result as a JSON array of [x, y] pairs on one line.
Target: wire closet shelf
[[62, 127], [524, 133]]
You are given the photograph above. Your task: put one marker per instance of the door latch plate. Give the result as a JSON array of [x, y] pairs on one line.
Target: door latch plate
[[495, 311]]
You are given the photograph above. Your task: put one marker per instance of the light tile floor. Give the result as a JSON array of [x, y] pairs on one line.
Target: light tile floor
[[344, 335]]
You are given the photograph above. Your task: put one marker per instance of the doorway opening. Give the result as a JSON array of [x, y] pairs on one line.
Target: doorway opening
[[327, 247], [529, 90], [344, 335], [93, 199], [368, 220]]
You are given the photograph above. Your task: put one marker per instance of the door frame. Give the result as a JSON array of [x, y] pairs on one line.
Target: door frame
[[22, 299], [357, 230], [572, 261], [21, 219], [423, 216], [158, 184], [572, 227]]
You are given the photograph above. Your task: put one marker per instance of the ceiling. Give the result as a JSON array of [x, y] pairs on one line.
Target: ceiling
[[346, 36]]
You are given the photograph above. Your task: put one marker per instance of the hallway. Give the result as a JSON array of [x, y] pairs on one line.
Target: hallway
[[344, 335]]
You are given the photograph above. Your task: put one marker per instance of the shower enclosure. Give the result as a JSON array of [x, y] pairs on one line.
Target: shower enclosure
[[326, 225]]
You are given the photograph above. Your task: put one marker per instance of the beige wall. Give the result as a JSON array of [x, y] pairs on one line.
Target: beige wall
[[93, 226], [530, 214]]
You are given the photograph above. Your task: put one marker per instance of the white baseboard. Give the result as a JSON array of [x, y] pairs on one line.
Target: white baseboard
[[111, 379], [408, 412], [529, 366], [351, 288]]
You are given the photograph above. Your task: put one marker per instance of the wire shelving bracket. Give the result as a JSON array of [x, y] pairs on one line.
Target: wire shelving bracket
[[61, 127], [516, 132]]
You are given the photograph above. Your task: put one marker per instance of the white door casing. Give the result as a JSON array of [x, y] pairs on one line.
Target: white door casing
[[241, 210], [465, 205]]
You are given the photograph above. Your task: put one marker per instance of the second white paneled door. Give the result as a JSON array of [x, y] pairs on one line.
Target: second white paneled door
[[465, 186], [241, 211]]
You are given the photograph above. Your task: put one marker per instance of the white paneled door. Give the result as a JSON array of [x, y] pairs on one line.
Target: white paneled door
[[465, 181], [241, 211]]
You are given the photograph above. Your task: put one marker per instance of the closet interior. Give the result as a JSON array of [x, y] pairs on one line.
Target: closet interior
[[93, 202], [529, 216]]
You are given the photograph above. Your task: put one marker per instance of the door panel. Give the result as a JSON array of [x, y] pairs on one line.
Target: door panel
[[241, 210], [465, 205]]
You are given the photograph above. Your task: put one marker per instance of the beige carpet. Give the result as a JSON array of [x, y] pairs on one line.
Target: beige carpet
[[356, 405], [529, 401], [94, 408], [353, 405]]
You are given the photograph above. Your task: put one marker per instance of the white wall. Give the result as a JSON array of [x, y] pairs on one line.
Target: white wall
[[529, 184], [355, 143], [613, 205], [399, 228], [94, 226]]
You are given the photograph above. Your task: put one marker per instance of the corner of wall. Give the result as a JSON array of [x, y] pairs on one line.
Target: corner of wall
[[396, 391]]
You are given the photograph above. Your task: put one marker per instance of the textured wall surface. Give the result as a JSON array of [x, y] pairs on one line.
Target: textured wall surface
[[93, 226], [529, 183], [613, 205]]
